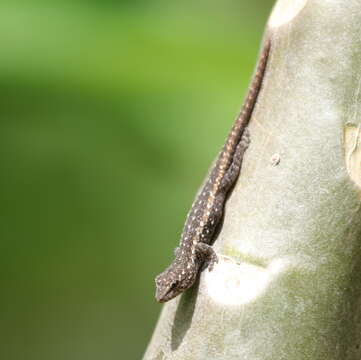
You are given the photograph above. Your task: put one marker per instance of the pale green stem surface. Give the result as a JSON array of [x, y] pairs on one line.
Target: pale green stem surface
[[288, 283]]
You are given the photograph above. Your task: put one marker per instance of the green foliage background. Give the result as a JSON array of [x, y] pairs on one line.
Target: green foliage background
[[111, 113]]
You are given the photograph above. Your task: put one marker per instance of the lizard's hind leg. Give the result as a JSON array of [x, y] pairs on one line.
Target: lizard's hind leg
[[233, 171]]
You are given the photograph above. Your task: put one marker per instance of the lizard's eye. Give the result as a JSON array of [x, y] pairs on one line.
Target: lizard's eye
[[174, 284]]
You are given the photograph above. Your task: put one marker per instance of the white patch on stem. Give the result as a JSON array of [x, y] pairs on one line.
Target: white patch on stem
[[234, 284], [285, 11]]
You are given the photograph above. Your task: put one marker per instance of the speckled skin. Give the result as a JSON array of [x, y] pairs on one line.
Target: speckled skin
[[194, 250]]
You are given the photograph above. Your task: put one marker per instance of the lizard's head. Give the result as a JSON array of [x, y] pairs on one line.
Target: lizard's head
[[172, 282]]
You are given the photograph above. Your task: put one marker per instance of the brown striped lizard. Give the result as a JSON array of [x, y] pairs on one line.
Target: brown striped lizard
[[195, 251]]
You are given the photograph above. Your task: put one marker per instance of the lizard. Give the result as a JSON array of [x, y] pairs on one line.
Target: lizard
[[195, 252]]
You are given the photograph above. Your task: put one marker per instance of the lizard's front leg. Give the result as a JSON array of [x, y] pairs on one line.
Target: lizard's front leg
[[206, 253]]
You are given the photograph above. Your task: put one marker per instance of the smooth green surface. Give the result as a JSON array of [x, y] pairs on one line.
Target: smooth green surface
[[111, 113]]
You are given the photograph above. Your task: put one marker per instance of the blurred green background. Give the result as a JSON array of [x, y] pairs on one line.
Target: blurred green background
[[111, 113]]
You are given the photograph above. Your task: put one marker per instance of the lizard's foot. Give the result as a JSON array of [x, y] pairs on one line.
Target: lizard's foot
[[207, 254], [245, 139]]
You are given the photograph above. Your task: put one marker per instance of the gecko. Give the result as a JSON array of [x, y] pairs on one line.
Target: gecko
[[195, 252]]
